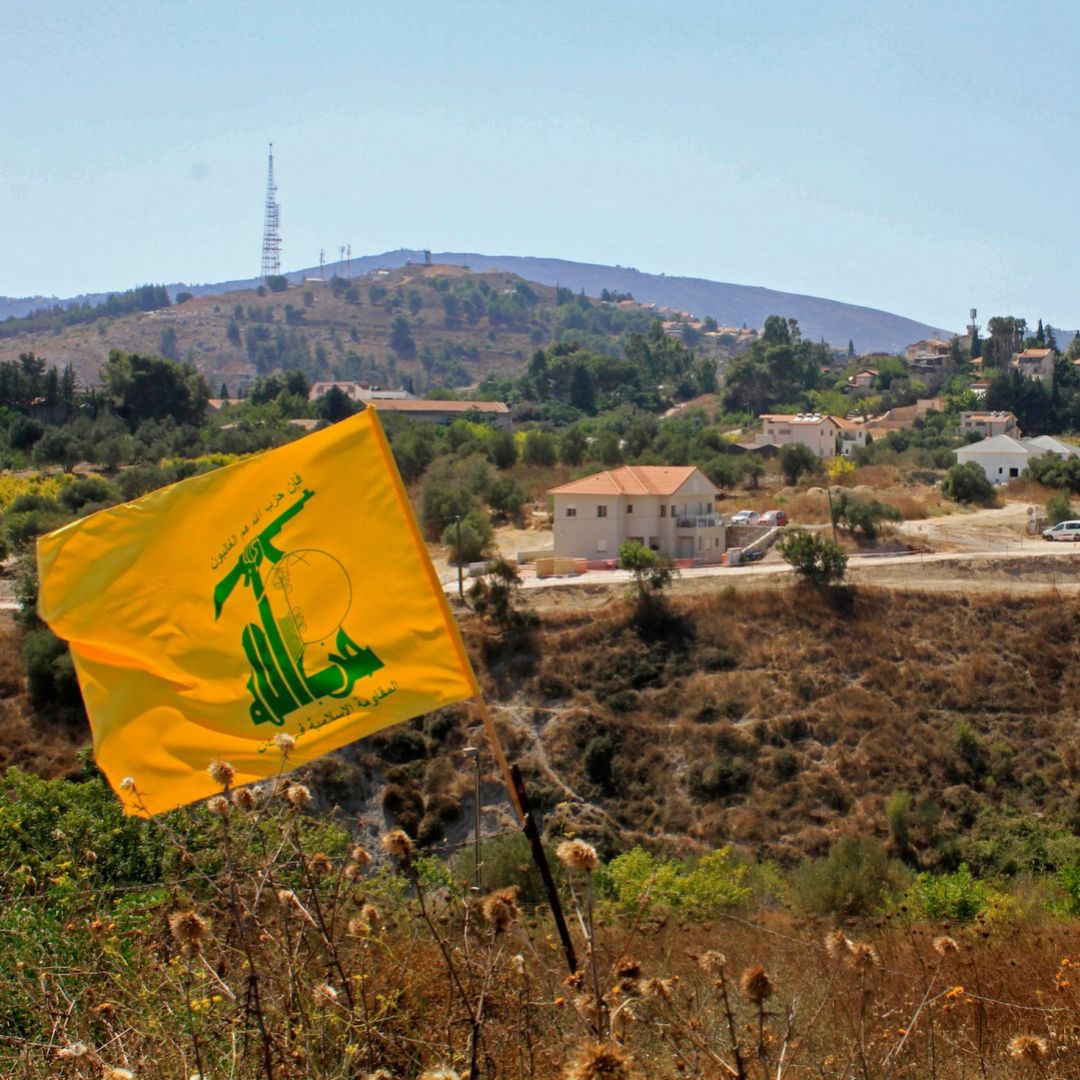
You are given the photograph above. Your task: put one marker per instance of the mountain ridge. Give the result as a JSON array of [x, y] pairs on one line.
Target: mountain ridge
[[837, 322]]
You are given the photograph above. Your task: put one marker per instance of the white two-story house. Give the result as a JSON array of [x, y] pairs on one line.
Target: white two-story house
[[671, 509]]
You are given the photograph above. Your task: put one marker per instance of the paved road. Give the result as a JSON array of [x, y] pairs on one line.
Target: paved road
[[773, 566]]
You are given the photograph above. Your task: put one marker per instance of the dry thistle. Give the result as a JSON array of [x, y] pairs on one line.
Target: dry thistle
[[189, 928], [379, 1074], [862, 955], [297, 796], [73, 1051], [325, 994], [397, 843], [1028, 1048], [114, 1072], [285, 742], [218, 806], [245, 798], [945, 945], [599, 1061], [577, 855], [128, 783], [756, 985], [359, 855], [712, 963], [500, 909], [441, 1073], [837, 944], [321, 864], [222, 773]]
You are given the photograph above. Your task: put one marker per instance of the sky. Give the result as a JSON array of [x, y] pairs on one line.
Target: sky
[[919, 157]]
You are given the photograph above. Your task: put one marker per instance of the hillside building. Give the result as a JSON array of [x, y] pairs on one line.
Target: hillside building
[[989, 424], [1035, 364], [1004, 458], [670, 509], [826, 436]]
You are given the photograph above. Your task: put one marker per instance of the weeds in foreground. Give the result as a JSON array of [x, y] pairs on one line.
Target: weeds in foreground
[[273, 947]]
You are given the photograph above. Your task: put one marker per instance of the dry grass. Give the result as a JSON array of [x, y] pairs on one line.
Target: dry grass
[[861, 704]]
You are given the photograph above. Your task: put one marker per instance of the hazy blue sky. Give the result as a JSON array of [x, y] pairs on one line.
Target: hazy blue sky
[[914, 156]]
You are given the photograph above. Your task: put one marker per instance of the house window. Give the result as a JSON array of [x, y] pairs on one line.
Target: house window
[[673, 511], [630, 508], [663, 511], [601, 511], [1014, 472], [571, 511]]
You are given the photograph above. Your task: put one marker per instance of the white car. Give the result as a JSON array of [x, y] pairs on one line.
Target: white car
[[1063, 530], [745, 517]]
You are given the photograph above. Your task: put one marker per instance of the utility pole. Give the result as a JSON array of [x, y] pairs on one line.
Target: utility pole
[[460, 568], [473, 753]]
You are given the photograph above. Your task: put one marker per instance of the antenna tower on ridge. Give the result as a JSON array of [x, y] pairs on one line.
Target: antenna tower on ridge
[[348, 260], [271, 245], [322, 261]]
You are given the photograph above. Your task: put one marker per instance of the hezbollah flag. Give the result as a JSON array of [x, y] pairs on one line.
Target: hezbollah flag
[[289, 592]]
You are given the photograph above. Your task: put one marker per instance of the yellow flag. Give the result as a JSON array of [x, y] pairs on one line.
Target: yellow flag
[[289, 592]]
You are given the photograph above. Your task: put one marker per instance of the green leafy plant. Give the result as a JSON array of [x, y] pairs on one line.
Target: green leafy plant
[[816, 559]]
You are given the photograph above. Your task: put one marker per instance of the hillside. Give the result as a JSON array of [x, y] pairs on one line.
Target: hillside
[[730, 304], [768, 717], [436, 325]]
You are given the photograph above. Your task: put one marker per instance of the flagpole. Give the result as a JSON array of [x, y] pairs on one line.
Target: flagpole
[[519, 797]]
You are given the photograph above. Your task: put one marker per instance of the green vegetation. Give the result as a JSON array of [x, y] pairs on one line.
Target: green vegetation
[[862, 515], [815, 559], [968, 484]]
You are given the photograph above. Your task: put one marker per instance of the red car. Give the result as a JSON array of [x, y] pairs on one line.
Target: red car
[[773, 517]]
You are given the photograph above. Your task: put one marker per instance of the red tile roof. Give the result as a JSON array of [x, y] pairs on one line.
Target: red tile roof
[[630, 480]]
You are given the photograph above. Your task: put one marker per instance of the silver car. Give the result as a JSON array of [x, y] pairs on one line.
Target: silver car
[[1063, 530]]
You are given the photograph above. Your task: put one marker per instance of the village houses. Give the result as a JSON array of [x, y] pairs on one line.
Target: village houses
[[826, 436], [988, 424], [670, 509], [1035, 364], [1003, 458]]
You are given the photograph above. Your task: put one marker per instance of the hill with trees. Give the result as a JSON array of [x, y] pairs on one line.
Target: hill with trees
[[418, 326], [833, 321]]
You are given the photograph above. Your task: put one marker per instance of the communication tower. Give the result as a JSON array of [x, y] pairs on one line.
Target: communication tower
[[348, 260], [271, 245], [322, 261]]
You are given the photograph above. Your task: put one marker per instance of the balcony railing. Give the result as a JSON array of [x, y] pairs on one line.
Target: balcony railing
[[706, 522]]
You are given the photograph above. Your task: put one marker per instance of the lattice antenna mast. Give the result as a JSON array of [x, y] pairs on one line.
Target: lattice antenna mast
[[271, 245]]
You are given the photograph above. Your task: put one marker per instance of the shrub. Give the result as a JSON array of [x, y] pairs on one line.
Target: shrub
[[539, 448], [652, 573], [700, 890], [862, 515], [87, 489], [50, 674], [968, 484], [475, 534], [1059, 507], [277, 282], [598, 760], [814, 558], [795, 460], [958, 896], [854, 878]]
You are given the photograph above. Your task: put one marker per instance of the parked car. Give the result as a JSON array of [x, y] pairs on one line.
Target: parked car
[[773, 517], [1063, 530], [752, 556], [745, 517]]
